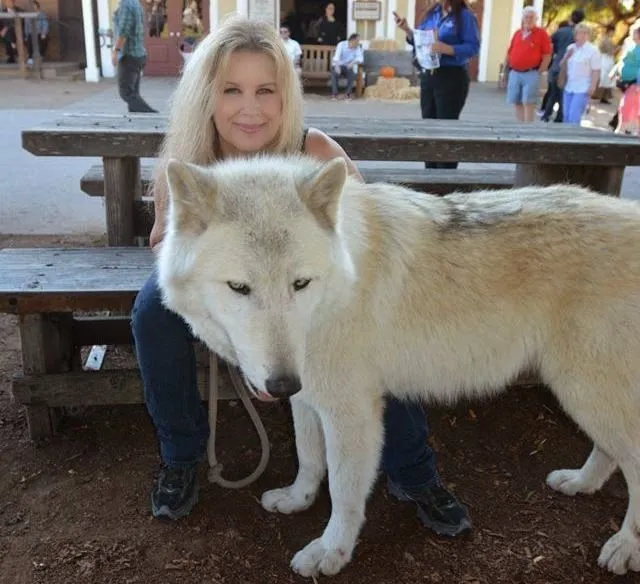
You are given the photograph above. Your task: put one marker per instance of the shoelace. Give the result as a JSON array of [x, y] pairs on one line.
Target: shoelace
[[171, 479]]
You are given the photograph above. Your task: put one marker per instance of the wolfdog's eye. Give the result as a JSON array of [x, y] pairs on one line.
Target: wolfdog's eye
[[301, 284], [239, 288]]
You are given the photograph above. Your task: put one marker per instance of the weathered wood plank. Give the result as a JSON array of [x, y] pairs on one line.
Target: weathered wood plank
[[46, 348], [606, 180], [64, 280], [363, 139], [435, 181], [97, 388], [121, 187]]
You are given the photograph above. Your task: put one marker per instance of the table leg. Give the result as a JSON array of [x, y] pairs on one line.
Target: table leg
[[36, 57], [47, 347], [22, 57], [603, 179], [122, 185]]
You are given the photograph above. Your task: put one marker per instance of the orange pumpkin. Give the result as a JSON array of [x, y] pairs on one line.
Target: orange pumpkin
[[387, 72]]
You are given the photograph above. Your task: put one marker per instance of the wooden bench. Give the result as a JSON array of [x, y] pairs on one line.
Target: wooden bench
[[62, 298], [316, 67], [434, 181], [55, 293]]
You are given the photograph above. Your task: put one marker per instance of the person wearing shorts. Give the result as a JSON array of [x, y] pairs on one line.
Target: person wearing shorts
[[528, 57]]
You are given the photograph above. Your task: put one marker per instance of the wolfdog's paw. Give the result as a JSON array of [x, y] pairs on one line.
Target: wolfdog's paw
[[569, 481], [316, 559], [287, 500], [621, 553]]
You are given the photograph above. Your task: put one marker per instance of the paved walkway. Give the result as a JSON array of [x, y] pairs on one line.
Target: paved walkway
[[42, 195]]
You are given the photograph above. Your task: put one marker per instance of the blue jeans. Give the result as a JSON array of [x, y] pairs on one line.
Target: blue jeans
[[573, 107], [164, 348], [349, 73]]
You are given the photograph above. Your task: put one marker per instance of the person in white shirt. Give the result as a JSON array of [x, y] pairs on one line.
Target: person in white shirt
[[345, 62], [582, 61], [293, 47]]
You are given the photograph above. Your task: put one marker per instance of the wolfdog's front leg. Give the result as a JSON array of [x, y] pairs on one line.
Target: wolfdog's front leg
[[353, 441], [311, 464]]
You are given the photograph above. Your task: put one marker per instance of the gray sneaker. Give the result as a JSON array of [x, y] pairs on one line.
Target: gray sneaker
[[175, 492], [438, 508]]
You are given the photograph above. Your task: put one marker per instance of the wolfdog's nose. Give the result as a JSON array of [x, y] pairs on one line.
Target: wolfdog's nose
[[283, 387]]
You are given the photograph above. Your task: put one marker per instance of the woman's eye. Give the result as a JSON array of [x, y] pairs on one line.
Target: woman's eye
[[301, 284], [265, 91], [239, 288], [231, 90]]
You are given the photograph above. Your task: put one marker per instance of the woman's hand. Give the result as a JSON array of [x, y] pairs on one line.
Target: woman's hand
[[567, 56], [157, 233], [442, 48], [401, 22]]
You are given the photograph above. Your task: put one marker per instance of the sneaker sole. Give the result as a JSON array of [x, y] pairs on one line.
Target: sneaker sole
[[164, 512], [436, 526]]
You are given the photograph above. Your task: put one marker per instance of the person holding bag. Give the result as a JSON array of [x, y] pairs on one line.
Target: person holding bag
[[444, 87]]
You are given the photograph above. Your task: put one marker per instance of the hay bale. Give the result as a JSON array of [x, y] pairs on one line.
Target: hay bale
[[396, 89]]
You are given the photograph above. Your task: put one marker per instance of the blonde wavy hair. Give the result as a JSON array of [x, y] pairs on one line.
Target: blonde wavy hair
[[191, 135]]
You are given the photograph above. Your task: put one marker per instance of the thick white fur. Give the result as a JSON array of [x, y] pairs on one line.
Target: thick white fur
[[416, 295]]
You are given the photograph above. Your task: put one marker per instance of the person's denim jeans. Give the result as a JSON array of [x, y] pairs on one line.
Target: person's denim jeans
[[164, 348], [573, 107], [129, 76], [347, 72]]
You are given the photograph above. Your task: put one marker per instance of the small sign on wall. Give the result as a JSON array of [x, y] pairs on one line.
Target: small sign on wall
[[367, 10]]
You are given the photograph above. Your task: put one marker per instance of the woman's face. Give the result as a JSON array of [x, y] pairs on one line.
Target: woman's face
[[330, 10], [581, 36], [249, 111]]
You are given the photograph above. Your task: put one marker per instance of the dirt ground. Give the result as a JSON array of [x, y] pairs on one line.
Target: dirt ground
[[76, 508]]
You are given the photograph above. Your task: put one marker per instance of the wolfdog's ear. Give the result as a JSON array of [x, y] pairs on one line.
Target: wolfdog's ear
[[193, 196], [321, 192]]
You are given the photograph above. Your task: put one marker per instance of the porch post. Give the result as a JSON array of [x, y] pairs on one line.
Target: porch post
[[392, 5], [485, 39], [411, 19], [106, 42], [516, 16], [539, 6], [91, 73], [351, 24]]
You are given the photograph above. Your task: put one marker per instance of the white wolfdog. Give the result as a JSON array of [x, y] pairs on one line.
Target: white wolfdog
[[308, 279]]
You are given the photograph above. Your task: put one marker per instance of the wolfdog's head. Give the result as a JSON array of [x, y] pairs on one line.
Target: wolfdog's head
[[252, 248]]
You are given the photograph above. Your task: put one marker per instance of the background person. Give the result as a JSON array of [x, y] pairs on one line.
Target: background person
[[348, 55], [528, 56], [443, 91], [582, 60], [293, 47], [561, 39]]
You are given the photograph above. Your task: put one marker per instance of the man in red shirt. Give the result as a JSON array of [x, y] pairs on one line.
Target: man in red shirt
[[528, 56]]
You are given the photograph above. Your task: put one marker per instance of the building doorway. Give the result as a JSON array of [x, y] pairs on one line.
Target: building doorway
[[303, 17], [172, 29]]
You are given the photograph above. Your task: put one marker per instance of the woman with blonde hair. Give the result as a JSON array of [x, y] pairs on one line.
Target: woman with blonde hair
[[239, 95], [582, 62]]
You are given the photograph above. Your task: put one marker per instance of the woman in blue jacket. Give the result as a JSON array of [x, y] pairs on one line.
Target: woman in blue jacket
[[444, 90]]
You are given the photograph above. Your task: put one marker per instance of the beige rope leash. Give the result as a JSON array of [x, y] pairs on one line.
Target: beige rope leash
[[215, 468]]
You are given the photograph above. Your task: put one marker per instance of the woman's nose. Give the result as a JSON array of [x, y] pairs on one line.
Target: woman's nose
[[250, 102]]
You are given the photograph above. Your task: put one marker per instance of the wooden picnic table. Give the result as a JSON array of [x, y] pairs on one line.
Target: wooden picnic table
[[542, 153]]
